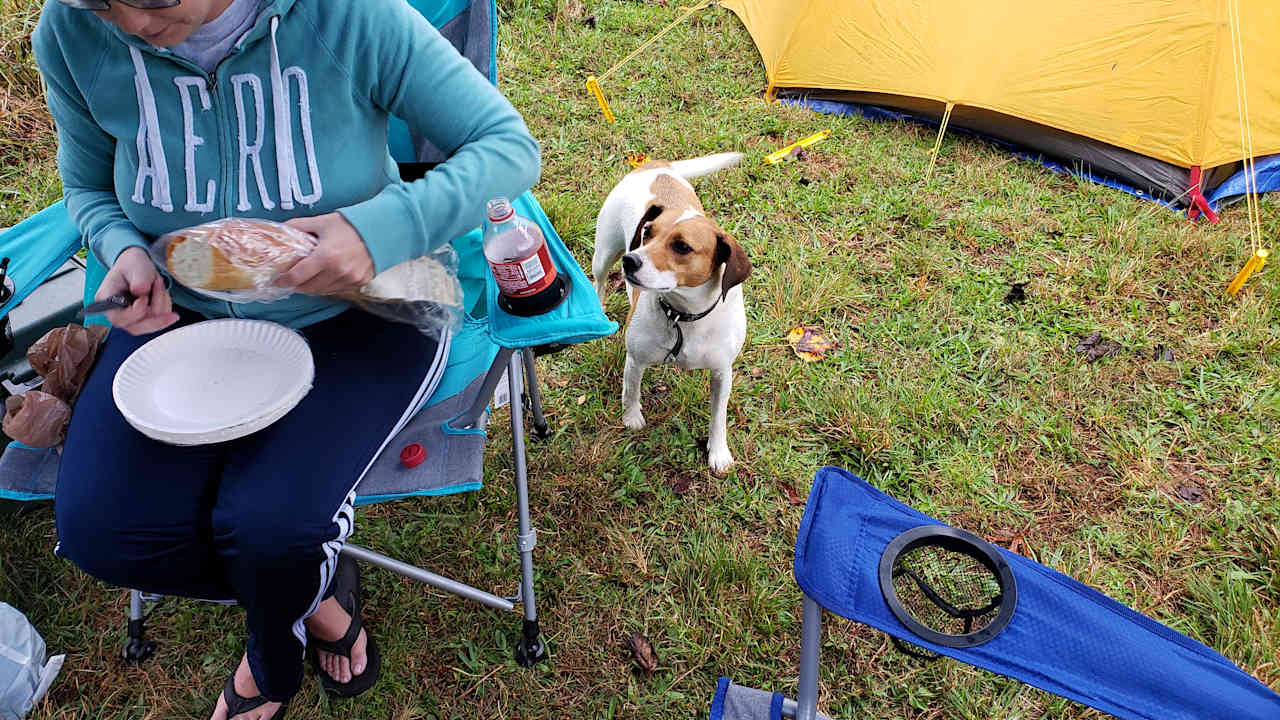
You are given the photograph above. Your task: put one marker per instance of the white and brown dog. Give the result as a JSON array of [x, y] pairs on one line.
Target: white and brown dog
[[683, 275]]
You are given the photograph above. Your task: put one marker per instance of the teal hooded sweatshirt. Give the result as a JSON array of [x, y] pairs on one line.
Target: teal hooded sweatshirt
[[292, 123]]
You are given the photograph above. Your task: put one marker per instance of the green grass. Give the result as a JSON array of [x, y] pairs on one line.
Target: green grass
[[969, 408], [28, 177]]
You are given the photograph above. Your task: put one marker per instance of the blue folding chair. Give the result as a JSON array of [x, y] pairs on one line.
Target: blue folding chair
[[451, 423], [867, 557]]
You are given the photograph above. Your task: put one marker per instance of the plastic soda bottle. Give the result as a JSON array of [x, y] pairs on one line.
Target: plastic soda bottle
[[520, 260]]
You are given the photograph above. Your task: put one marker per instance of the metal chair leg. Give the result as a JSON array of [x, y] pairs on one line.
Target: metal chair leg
[[811, 644], [491, 379], [533, 395], [530, 649], [138, 649]]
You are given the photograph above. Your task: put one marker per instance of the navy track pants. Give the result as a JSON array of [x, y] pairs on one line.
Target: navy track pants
[[259, 520]]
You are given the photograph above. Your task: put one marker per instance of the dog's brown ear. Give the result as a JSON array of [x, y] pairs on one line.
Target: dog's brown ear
[[650, 214], [736, 265]]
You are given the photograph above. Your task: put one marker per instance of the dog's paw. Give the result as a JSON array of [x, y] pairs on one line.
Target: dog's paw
[[720, 459], [633, 419]]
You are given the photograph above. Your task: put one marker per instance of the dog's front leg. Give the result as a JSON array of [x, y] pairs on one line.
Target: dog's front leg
[[632, 374], [718, 455]]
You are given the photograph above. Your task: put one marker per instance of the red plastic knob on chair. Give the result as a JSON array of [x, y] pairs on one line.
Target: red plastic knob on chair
[[412, 455]]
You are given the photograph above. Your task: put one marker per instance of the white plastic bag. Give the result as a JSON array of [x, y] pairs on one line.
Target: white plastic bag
[[25, 676]]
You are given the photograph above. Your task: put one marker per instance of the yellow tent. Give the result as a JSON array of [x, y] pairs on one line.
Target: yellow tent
[[1139, 92]]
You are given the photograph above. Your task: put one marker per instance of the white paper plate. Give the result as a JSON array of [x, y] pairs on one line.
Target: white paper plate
[[213, 381]]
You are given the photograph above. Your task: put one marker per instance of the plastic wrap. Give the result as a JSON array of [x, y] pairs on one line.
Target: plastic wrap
[[238, 260], [233, 259]]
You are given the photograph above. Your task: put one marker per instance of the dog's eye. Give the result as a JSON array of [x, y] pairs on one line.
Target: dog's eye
[[681, 247]]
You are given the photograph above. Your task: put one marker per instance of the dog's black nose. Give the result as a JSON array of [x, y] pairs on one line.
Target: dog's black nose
[[630, 264]]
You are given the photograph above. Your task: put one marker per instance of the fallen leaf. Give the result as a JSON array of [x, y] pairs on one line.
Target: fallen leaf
[[1013, 543], [642, 651], [1017, 545], [573, 9], [582, 399], [616, 283], [655, 395], [681, 485], [1016, 294], [560, 382], [1191, 492], [1095, 347], [1162, 353], [810, 342], [589, 21], [756, 372], [793, 497]]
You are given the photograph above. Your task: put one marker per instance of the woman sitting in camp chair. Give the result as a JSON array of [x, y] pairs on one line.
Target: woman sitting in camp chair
[[172, 113]]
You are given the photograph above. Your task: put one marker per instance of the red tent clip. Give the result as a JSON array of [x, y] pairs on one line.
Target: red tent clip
[[1199, 203]]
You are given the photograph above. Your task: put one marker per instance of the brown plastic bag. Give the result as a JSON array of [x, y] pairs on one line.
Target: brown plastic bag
[[36, 418], [64, 356]]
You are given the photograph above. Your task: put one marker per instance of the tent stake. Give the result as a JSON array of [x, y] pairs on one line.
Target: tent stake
[[1255, 264]]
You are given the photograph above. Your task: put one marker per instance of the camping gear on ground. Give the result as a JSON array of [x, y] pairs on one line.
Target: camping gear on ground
[[1140, 95], [449, 426], [25, 674], [867, 557]]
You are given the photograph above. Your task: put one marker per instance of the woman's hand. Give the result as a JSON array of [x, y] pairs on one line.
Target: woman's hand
[[134, 273], [340, 263]]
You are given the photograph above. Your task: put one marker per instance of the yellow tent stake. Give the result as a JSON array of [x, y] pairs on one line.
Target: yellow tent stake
[[774, 158], [1254, 265], [937, 145], [593, 82], [593, 87]]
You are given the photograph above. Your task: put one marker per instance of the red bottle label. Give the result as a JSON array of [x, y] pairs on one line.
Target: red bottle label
[[527, 276]]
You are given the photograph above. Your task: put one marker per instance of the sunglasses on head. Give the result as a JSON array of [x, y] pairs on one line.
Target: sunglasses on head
[[104, 5]]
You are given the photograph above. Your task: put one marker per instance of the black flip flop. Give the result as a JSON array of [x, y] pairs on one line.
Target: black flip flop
[[346, 589], [237, 705]]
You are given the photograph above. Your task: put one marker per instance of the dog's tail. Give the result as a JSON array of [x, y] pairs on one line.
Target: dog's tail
[[697, 167]]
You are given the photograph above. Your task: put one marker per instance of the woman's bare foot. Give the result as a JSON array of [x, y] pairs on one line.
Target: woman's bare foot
[[245, 688], [330, 623]]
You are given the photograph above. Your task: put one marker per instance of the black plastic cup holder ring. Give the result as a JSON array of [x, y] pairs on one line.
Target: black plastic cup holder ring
[[949, 587]]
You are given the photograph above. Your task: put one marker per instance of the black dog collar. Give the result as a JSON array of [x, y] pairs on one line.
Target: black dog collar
[[676, 317]]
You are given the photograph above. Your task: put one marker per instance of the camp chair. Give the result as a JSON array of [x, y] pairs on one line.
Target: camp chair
[[451, 423], [939, 591]]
